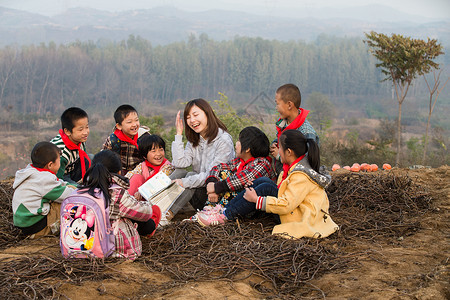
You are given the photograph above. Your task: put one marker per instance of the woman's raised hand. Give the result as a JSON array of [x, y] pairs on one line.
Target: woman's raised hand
[[179, 124]]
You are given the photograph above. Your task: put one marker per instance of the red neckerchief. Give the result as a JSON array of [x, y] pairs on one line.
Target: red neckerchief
[[298, 121], [243, 163], [72, 146], [287, 167], [155, 168], [44, 170], [125, 138]]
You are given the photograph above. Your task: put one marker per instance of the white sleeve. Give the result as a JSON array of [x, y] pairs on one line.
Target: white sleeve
[[181, 157], [223, 153]]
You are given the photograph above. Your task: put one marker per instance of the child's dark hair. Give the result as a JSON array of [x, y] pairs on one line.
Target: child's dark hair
[[104, 163], [213, 122], [297, 142], [43, 153], [70, 116], [290, 92], [254, 139], [147, 141], [122, 112]]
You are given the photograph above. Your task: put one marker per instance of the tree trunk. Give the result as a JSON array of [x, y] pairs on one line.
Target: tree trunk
[[399, 134], [425, 144]]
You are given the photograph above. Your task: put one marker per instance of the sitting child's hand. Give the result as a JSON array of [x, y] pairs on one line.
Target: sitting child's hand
[[72, 186], [213, 197], [274, 150], [210, 188], [138, 196], [250, 195]]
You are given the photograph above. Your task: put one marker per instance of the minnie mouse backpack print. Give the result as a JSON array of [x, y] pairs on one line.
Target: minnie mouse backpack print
[[85, 227]]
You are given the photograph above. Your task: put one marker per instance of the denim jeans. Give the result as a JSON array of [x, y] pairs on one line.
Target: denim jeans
[[238, 206]]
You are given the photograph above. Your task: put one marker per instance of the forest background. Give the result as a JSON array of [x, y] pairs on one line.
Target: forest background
[[352, 109]]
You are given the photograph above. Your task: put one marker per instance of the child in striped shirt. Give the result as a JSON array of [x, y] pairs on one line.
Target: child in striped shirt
[[129, 217], [71, 141]]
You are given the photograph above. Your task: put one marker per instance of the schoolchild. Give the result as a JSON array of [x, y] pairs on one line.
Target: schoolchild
[[71, 141], [208, 144], [226, 180], [300, 202], [129, 217], [38, 193], [288, 100], [124, 140], [153, 149]]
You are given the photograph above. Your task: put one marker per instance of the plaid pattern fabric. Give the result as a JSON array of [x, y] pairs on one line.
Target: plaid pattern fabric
[[123, 210], [129, 154], [260, 167]]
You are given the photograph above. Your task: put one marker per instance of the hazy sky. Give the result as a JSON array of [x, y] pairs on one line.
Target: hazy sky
[[426, 8]]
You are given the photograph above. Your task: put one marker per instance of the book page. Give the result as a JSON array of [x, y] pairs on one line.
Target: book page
[[167, 197], [154, 185]]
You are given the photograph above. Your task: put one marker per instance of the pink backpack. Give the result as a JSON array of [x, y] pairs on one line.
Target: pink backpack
[[85, 227]]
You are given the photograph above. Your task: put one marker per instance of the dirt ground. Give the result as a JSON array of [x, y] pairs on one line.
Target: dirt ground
[[413, 266]]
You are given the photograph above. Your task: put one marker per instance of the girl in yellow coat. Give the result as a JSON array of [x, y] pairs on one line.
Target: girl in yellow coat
[[302, 202]]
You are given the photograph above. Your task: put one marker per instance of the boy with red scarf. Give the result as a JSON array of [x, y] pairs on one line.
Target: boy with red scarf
[[124, 139], [38, 193], [71, 141], [288, 100]]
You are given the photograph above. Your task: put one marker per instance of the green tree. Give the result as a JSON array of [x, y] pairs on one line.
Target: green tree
[[402, 59], [228, 115]]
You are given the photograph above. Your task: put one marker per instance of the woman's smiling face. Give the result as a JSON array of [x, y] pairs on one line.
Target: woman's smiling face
[[197, 120]]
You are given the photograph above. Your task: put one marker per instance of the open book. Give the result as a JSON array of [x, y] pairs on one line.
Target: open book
[[154, 186], [161, 191]]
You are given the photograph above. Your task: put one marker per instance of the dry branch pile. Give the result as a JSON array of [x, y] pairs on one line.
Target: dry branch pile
[[373, 205], [38, 277], [236, 251], [367, 206], [9, 235]]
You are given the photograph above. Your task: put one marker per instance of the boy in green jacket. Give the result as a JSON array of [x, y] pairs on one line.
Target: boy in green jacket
[[38, 193]]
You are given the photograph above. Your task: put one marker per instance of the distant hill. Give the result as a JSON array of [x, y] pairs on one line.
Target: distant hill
[[165, 25]]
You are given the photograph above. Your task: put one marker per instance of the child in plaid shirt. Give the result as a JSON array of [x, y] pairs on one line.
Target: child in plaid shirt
[[226, 180], [124, 139], [129, 217]]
